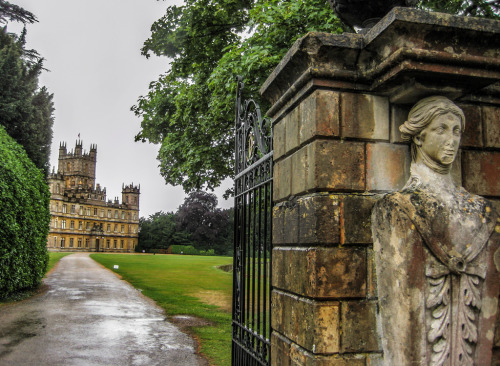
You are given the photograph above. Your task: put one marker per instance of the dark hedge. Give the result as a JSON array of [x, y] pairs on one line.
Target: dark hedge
[[24, 219]]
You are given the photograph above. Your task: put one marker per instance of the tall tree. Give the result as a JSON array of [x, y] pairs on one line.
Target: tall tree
[[26, 111], [189, 110], [12, 12], [207, 225]]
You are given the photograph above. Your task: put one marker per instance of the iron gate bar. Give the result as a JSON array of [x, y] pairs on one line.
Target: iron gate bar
[[252, 235]]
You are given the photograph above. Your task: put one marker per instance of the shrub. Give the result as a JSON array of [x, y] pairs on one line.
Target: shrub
[[184, 249], [24, 219]]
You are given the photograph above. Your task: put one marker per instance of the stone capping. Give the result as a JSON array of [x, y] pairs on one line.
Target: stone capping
[[386, 57]]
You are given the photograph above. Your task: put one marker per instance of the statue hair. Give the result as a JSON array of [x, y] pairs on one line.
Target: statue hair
[[423, 113]]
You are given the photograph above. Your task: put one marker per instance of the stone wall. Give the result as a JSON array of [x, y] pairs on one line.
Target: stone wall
[[337, 104]]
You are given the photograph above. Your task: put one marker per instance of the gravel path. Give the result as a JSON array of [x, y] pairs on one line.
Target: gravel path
[[88, 316]]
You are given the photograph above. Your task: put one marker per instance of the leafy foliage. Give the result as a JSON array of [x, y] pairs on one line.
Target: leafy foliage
[[24, 219], [189, 110], [159, 231], [209, 227], [26, 111], [15, 13], [198, 224]]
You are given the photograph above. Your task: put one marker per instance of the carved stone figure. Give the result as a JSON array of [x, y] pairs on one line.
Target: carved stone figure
[[436, 252], [365, 13]]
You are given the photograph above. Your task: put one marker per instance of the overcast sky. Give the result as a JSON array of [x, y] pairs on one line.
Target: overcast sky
[[92, 49]]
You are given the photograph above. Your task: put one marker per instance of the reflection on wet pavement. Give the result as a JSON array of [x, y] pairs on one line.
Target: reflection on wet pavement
[[88, 316]]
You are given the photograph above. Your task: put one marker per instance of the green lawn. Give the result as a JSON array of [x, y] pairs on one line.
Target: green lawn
[[188, 285]]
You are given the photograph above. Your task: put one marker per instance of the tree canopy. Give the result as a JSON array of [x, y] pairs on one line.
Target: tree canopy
[[26, 110], [198, 223], [189, 110]]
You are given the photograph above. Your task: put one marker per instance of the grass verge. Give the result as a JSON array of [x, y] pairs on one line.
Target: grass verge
[[184, 285]]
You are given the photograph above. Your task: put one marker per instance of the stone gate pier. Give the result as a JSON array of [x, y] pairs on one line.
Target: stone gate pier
[[337, 103]]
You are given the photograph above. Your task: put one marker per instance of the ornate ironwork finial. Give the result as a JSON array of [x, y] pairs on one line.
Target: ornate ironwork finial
[[365, 13]]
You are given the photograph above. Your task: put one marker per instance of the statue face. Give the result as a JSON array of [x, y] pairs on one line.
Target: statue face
[[441, 138]]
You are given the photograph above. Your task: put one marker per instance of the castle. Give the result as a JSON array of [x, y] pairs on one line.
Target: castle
[[81, 217]]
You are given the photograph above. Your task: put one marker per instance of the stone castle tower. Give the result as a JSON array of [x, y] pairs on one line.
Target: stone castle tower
[[82, 218]]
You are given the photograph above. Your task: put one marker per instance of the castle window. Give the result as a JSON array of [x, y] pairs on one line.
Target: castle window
[[72, 224], [114, 244], [80, 225], [55, 241], [79, 243], [63, 224], [121, 244], [108, 228], [55, 224], [73, 209], [116, 228], [102, 213], [109, 214], [57, 207], [123, 229], [63, 242], [64, 208], [86, 243], [134, 200], [123, 215], [71, 242], [116, 214], [95, 211], [88, 211], [107, 243], [88, 225], [73, 183], [126, 199], [68, 167], [135, 229], [135, 216], [81, 210], [58, 188]]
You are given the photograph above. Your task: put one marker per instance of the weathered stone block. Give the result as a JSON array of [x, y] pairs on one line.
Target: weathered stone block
[[336, 165], [278, 224], [472, 136], [319, 220], [491, 123], [356, 218], [387, 166], [300, 357], [359, 328], [282, 179], [329, 273], [292, 130], [279, 138], [364, 116], [399, 114], [280, 346], [481, 170], [291, 223], [299, 169], [371, 279], [314, 325], [319, 115]]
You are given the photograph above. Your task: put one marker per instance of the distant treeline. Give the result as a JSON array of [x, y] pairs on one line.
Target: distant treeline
[[198, 227]]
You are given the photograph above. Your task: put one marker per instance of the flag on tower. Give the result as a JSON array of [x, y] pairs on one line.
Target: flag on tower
[[78, 135]]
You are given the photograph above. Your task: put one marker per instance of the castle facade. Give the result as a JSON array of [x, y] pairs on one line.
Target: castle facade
[[81, 217]]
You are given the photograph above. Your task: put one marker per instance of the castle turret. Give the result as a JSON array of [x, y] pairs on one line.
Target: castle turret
[[130, 195]]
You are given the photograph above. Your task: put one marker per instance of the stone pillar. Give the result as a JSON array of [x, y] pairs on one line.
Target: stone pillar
[[337, 103]]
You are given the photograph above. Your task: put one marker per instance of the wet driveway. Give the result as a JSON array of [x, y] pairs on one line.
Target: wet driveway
[[89, 316]]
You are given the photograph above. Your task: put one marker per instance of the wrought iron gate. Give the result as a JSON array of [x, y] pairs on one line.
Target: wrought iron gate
[[252, 235]]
